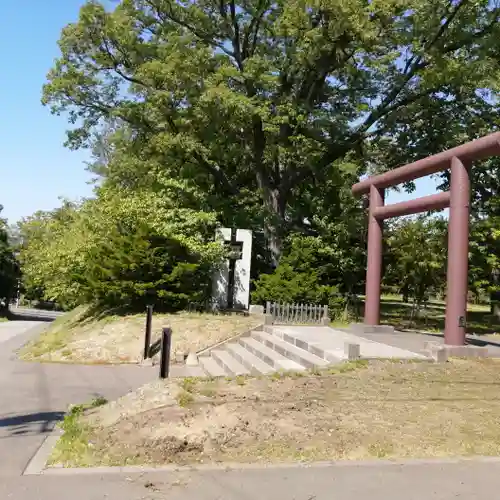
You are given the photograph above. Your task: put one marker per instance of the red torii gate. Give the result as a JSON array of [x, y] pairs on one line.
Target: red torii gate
[[458, 160]]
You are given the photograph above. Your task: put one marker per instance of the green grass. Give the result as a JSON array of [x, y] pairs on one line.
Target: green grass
[[184, 398], [395, 312], [57, 337], [188, 384], [76, 437]]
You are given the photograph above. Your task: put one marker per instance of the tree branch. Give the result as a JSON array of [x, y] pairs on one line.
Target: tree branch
[[223, 9], [203, 37], [253, 29], [236, 36], [416, 65]]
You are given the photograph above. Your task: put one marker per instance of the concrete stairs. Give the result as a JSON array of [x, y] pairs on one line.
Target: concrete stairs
[[262, 352]]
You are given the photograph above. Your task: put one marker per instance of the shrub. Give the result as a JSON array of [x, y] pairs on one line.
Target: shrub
[[133, 269], [303, 275]]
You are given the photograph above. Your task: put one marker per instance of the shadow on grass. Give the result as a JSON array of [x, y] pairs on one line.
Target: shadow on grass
[[97, 312], [398, 314]]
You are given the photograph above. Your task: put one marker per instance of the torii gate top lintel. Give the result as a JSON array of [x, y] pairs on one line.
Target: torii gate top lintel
[[484, 147], [458, 160]]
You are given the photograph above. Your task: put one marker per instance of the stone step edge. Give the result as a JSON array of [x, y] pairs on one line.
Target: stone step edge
[[234, 338], [294, 353], [255, 368], [331, 355], [277, 361], [218, 356], [209, 360]]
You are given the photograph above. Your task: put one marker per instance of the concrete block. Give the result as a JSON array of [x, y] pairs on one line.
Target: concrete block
[[192, 359], [362, 328], [268, 319], [442, 353], [466, 351], [325, 321], [352, 351], [256, 310], [439, 355]]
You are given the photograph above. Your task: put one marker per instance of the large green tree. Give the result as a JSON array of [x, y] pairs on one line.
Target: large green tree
[[259, 103]]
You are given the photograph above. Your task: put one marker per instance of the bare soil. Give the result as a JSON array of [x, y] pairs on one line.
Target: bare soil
[[79, 338], [354, 411]]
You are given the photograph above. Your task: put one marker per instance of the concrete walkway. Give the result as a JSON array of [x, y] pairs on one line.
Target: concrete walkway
[[33, 396], [332, 342]]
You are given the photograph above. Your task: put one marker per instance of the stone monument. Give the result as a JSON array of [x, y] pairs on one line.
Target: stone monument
[[231, 282]]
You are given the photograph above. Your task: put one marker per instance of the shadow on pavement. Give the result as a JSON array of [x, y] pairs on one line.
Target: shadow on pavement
[[31, 423]]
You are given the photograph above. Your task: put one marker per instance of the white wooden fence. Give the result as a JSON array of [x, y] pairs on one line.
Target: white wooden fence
[[297, 313]]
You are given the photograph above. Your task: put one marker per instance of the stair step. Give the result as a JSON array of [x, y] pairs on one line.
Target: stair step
[[320, 349], [211, 366], [231, 365], [301, 356], [269, 356], [249, 360]]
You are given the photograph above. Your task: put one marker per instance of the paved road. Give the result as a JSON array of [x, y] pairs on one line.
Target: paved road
[[29, 314], [33, 396], [462, 481]]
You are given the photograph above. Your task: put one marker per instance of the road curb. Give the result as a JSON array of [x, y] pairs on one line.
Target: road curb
[[36, 465], [38, 462]]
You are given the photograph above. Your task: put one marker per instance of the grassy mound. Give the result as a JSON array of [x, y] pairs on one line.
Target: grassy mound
[[352, 411], [83, 337]]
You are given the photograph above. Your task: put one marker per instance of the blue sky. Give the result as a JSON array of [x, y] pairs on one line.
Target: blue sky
[[35, 167]]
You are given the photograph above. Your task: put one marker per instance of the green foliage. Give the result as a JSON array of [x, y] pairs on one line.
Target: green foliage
[[306, 274], [122, 248], [9, 269], [261, 115], [252, 103], [416, 256], [136, 267]]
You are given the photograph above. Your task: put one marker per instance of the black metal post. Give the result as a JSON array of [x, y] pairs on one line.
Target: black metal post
[[166, 344], [147, 335]]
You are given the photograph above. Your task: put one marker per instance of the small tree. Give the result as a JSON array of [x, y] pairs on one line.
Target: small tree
[[123, 248], [9, 270], [136, 267], [416, 256]]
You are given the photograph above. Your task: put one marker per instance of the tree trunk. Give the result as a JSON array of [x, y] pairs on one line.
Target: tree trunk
[[495, 304], [273, 229], [274, 207]]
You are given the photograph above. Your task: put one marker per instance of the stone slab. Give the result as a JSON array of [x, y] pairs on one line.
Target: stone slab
[[362, 328], [441, 353], [352, 351], [333, 341], [256, 310]]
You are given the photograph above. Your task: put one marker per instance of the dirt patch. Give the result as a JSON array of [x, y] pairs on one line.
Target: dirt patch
[[389, 410], [77, 338]]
